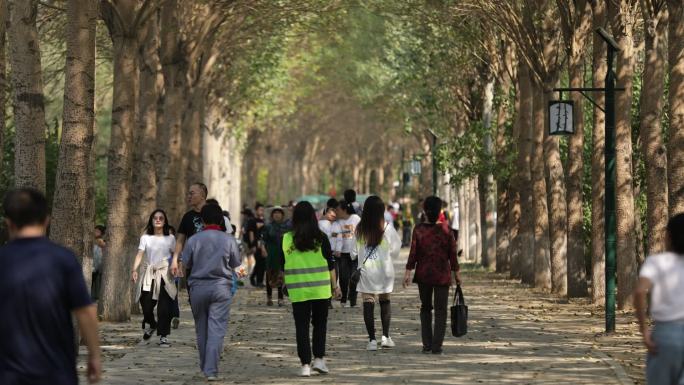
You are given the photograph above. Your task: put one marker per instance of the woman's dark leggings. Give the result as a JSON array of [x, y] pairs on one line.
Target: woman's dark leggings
[[314, 312], [163, 321], [433, 341]]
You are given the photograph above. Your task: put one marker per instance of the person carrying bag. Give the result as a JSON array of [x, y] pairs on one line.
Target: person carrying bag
[[433, 256], [459, 314]]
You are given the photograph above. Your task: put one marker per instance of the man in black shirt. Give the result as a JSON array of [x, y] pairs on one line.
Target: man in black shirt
[[42, 287], [191, 223], [256, 244]]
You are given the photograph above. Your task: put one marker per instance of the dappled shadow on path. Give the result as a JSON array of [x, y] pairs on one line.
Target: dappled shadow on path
[[516, 336]]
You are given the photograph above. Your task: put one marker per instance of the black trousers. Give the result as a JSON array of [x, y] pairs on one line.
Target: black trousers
[[432, 340], [95, 285], [163, 321], [314, 312], [175, 308], [269, 291], [257, 277], [346, 266]]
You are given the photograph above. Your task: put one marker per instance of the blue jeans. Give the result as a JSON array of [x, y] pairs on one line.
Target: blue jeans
[[666, 367]]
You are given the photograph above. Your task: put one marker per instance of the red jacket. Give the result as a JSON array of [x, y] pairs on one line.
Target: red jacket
[[433, 254]]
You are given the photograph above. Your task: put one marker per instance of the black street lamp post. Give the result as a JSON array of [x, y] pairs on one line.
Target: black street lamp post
[[556, 112]]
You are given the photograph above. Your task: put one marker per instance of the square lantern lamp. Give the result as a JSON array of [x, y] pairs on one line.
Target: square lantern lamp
[[561, 117], [415, 167]]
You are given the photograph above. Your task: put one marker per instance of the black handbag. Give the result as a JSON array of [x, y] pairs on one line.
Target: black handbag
[[459, 314]]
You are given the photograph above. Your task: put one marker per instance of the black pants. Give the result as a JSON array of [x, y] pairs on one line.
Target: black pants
[[257, 277], [314, 312], [269, 291], [163, 321], [433, 340], [347, 266], [175, 308], [95, 285]]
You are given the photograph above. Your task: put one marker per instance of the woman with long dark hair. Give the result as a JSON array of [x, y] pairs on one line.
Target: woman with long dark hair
[[309, 273], [156, 286], [378, 244], [433, 256]]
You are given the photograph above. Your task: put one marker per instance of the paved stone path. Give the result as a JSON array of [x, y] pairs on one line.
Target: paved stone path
[[516, 336]]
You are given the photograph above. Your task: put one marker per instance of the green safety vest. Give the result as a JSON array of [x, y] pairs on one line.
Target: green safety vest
[[306, 273]]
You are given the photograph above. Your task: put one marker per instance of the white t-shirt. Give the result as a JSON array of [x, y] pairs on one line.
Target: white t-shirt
[[229, 227], [326, 226], [666, 273], [345, 239], [377, 273], [157, 247]]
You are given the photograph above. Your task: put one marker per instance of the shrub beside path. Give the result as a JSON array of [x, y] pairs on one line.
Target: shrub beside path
[[517, 335]]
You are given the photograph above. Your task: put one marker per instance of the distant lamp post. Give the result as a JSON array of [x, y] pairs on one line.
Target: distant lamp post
[[560, 117]]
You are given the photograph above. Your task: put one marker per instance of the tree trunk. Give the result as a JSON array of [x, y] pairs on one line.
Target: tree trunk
[[542, 263], [3, 83], [117, 263], [505, 192], [170, 185], [651, 132], [463, 221], [525, 185], [577, 275], [676, 98], [598, 181], [73, 217], [557, 211], [144, 194], [475, 222], [489, 186], [626, 247], [27, 84]]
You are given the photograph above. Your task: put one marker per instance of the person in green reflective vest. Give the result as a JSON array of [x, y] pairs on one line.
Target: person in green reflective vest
[[309, 276]]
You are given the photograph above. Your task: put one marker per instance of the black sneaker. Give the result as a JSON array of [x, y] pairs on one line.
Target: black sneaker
[[148, 333], [427, 350], [174, 322]]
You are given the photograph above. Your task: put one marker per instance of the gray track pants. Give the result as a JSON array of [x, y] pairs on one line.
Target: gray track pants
[[210, 309]]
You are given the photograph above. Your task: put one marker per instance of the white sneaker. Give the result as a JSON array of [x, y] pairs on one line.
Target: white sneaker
[[319, 366], [346, 304], [164, 342], [387, 342], [306, 371], [372, 345], [212, 378]]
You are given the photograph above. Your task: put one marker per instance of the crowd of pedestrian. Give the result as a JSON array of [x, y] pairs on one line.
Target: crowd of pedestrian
[[314, 259]]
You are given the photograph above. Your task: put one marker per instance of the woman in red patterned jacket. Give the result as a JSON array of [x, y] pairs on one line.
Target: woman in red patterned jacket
[[433, 256]]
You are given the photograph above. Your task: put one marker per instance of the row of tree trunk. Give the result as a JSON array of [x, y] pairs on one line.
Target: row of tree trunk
[[540, 231]]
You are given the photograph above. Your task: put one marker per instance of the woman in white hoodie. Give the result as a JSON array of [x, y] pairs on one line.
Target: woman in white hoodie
[[378, 244]]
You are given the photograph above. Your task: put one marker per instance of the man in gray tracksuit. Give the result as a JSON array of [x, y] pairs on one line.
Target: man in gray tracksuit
[[210, 256]]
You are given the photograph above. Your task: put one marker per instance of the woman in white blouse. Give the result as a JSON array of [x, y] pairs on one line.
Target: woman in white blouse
[[155, 285], [378, 244]]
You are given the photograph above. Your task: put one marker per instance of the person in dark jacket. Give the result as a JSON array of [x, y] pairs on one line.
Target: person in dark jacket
[[275, 258], [433, 256]]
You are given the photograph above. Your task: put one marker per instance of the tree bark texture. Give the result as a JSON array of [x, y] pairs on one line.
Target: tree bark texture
[[598, 181], [119, 17], [557, 211], [542, 263], [73, 216], [524, 180], [489, 186], [506, 193], [676, 99], [621, 21], [577, 38], [144, 192], [3, 81], [651, 132], [27, 85], [174, 67]]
